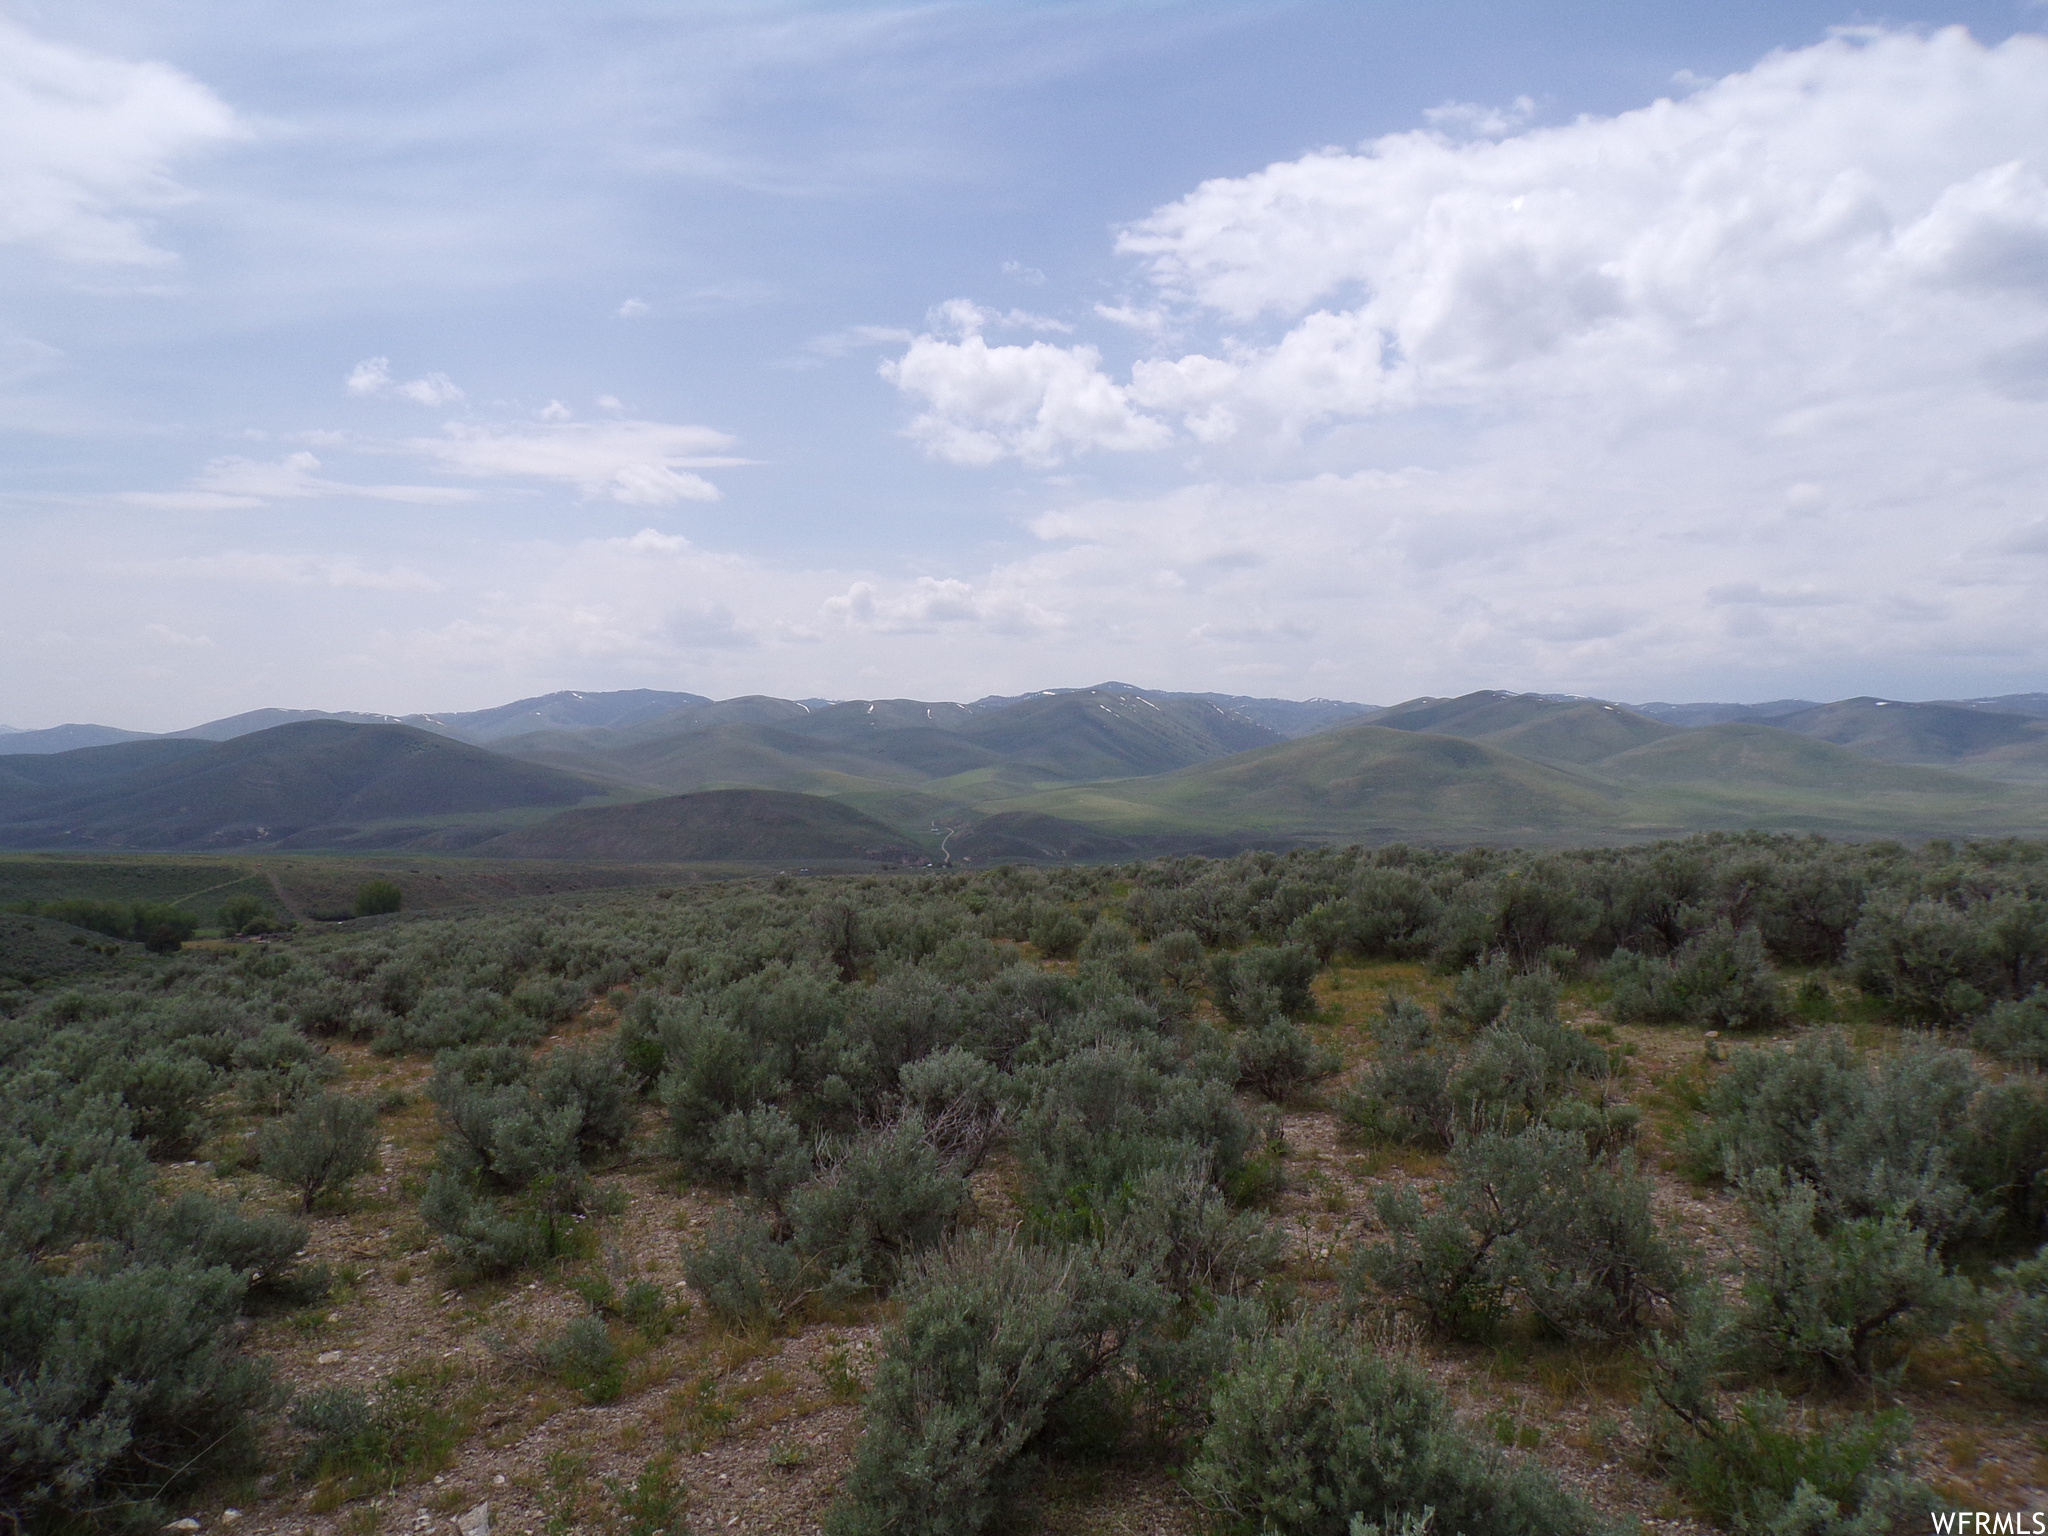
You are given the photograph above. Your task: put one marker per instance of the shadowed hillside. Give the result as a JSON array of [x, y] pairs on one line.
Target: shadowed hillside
[[305, 783], [750, 824]]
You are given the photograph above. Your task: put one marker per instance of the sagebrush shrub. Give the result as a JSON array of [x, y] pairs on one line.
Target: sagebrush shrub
[[2016, 1326], [584, 1356], [1718, 979], [886, 1198], [2016, 1031], [1277, 1059], [1313, 1430], [1252, 984], [319, 1146], [1846, 1297], [994, 1336], [1869, 1139], [745, 1271], [1532, 1219], [122, 1389]]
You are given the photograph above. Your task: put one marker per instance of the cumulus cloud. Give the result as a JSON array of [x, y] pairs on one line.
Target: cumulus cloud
[[1038, 402], [1870, 205], [638, 463], [88, 144], [1748, 383], [372, 376]]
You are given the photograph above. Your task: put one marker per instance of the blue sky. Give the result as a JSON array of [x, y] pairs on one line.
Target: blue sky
[[421, 356]]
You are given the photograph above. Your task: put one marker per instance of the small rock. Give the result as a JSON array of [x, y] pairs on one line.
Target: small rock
[[476, 1523], [186, 1524], [328, 1357], [498, 1481], [230, 1516]]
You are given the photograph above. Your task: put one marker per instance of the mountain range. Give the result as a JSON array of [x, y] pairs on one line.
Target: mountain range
[[1108, 771]]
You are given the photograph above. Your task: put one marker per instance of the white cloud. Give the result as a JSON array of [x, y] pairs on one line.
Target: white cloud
[[1752, 383], [638, 463], [272, 570], [633, 309], [231, 484], [1038, 402], [372, 376], [930, 603], [87, 146]]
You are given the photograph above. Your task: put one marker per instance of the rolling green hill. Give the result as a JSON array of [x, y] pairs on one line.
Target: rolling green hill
[[1990, 743], [1355, 781], [315, 783], [1098, 735], [1376, 783], [746, 824], [1549, 730]]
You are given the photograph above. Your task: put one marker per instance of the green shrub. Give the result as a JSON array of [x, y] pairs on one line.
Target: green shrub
[[1278, 1059], [319, 1146], [483, 1236], [1869, 1139], [585, 1358], [868, 1213], [1058, 934], [2016, 1326], [994, 1338], [1253, 984], [760, 1151], [1719, 979], [1847, 1297], [262, 1248], [745, 1272], [1534, 1219], [1179, 956], [405, 1430], [1097, 1120], [120, 1389], [2016, 1031], [1313, 1431], [167, 1092], [374, 898], [1770, 1469], [1182, 1229], [1765, 1469]]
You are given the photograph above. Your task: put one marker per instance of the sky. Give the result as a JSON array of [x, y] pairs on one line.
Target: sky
[[422, 356]]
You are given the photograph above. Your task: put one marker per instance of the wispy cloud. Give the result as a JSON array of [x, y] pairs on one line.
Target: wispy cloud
[[89, 145]]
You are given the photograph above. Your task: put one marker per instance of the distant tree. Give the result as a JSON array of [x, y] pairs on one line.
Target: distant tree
[[376, 897], [245, 914], [163, 929]]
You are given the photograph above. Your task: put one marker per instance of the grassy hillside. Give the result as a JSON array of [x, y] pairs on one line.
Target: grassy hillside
[[1097, 735], [1548, 730], [35, 949], [749, 824], [1356, 781], [1992, 743], [1376, 783], [312, 782]]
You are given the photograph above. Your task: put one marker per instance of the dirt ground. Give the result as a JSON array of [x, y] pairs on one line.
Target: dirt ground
[[759, 1431]]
